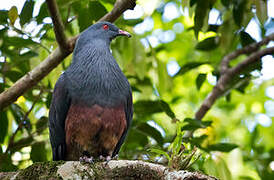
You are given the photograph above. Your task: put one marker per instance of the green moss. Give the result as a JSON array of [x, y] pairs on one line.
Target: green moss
[[41, 170], [135, 172]]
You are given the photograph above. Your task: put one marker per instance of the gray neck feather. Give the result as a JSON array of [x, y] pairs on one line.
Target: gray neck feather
[[94, 77]]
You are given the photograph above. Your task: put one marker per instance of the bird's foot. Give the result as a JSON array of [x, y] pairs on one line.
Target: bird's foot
[[86, 159], [102, 158]]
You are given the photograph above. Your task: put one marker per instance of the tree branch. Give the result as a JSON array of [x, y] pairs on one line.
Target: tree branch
[[58, 25], [56, 57], [220, 87], [114, 169], [246, 50]]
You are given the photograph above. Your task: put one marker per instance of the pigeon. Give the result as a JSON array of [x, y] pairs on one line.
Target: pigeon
[[91, 108]]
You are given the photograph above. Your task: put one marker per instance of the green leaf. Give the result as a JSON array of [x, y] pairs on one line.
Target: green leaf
[[208, 44], [239, 8], [17, 113], [26, 13], [193, 124], [202, 8], [150, 131], [131, 22], [192, 2], [13, 75], [41, 124], [200, 80], [4, 16], [13, 14], [189, 66], [43, 12], [144, 107], [226, 3], [19, 42], [4, 125], [160, 152], [246, 39], [165, 106], [223, 147], [97, 10], [261, 10], [150, 107], [38, 152]]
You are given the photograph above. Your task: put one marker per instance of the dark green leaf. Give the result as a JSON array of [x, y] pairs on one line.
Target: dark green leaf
[[134, 88], [201, 11], [17, 113], [193, 124], [226, 3], [213, 27], [38, 152], [245, 38], [26, 13], [3, 16], [167, 109], [223, 147], [239, 8], [208, 44], [189, 66], [19, 42], [150, 107], [4, 125], [13, 75], [42, 13], [192, 2], [97, 10], [150, 131], [200, 80], [41, 124], [147, 107]]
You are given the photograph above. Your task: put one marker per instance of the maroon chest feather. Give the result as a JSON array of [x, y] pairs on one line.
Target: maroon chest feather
[[93, 131]]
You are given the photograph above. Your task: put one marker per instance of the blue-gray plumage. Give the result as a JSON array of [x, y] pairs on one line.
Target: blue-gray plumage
[[91, 109]]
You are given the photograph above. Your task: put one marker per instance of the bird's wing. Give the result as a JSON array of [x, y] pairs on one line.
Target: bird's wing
[[57, 115], [129, 113]]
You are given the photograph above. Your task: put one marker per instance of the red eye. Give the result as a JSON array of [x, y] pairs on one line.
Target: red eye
[[105, 27]]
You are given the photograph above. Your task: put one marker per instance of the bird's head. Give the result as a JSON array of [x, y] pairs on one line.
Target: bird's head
[[106, 31]]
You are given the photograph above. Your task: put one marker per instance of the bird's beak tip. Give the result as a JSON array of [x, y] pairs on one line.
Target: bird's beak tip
[[124, 33]]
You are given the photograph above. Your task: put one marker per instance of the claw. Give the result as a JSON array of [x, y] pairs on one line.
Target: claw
[[85, 159]]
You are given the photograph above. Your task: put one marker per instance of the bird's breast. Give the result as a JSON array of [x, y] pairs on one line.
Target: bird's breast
[[93, 130]]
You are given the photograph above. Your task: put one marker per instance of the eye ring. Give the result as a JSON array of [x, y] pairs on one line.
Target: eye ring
[[105, 27]]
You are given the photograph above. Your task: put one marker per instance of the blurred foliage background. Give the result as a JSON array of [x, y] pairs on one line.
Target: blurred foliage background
[[172, 64]]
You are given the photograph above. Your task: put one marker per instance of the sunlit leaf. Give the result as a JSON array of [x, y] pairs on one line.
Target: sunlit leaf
[[13, 14], [160, 152]]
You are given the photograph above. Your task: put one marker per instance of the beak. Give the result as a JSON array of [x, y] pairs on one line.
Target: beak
[[124, 33]]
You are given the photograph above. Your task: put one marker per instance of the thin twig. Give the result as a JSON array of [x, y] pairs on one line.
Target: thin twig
[[224, 80], [246, 50], [21, 124], [58, 25]]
